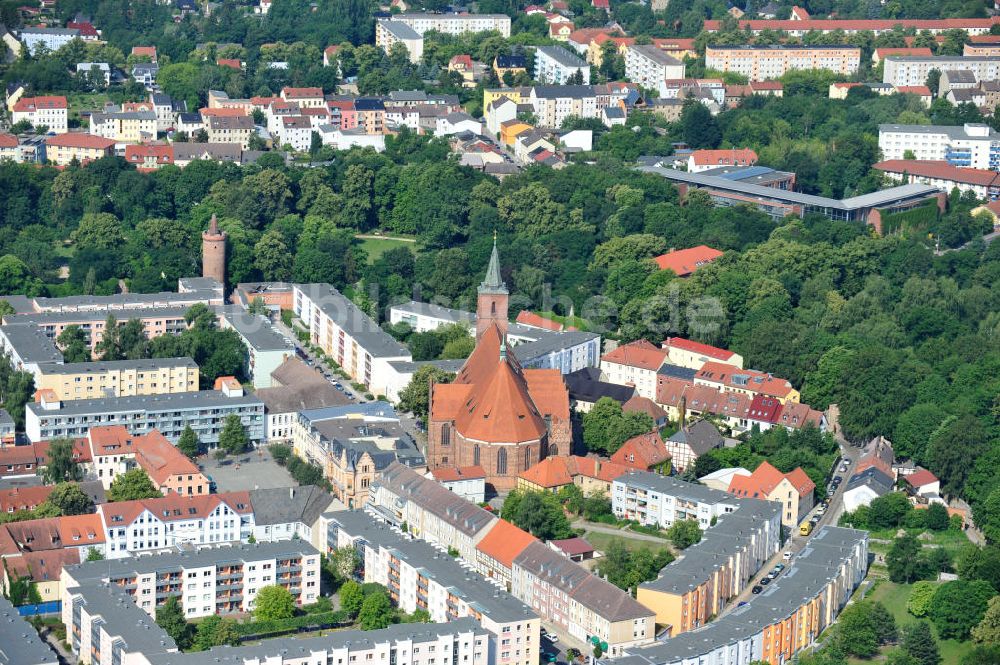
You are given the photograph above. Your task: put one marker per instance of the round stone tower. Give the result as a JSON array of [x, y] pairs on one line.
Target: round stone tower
[[213, 252]]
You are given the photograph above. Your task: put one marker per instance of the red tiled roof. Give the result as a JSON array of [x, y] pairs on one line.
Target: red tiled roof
[[504, 542], [80, 140], [174, 507], [573, 546], [800, 13], [533, 320], [224, 112], [147, 51], [28, 104], [921, 90], [920, 478], [640, 404], [331, 49], [765, 409], [767, 85], [79, 530], [642, 452], [42, 566], [558, 470], [641, 354], [882, 52], [735, 157], [24, 498], [450, 474], [674, 44], [697, 347], [301, 92], [940, 170], [684, 262], [161, 459], [233, 63], [461, 60], [138, 153], [766, 478], [756, 382], [86, 28], [847, 25], [8, 141]]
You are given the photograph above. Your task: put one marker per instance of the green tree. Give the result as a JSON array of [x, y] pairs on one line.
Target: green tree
[[188, 443], [170, 617], [415, 397], [988, 630], [684, 533], [94, 554], [60, 465], [99, 230], [918, 641], [215, 631], [958, 606], [70, 499], [74, 344], [904, 560], [272, 256], [351, 597], [273, 603], [862, 627], [233, 438], [376, 611], [921, 596], [539, 513], [343, 562], [606, 427], [132, 485]]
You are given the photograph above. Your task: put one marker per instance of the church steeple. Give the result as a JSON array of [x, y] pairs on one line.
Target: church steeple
[[492, 305]]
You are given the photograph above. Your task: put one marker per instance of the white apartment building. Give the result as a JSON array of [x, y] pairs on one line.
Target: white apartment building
[[389, 32], [635, 364], [424, 317], [762, 63], [555, 65], [51, 39], [125, 127], [296, 131], [348, 335], [51, 112], [153, 524], [456, 24], [910, 70], [660, 500], [972, 145], [648, 66]]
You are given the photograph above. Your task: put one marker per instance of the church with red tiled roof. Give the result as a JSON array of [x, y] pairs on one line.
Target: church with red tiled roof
[[496, 414]]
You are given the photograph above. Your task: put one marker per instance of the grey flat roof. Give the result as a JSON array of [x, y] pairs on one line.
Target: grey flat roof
[[102, 366], [552, 342], [89, 315], [883, 197], [19, 641], [31, 344], [789, 47], [562, 56], [563, 91], [410, 366], [444, 569], [408, 485], [434, 311], [113, 569], [365, 409], [400, 30], [355, 322], [810, 571], [120, 300], [255, 329], [451, 17], [123, 618], [942, 59], [284, 649], [654, 53], [656, 482], [952, 131], [50, 31], [124, 115], [201, 399]]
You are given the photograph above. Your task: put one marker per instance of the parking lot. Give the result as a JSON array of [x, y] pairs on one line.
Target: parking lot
[[250, 471]]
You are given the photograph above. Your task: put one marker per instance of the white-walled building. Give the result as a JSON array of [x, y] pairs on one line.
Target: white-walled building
[[904, 70], [972, 145], [763, 63], [648, 66], [556, 66], [51, 112]]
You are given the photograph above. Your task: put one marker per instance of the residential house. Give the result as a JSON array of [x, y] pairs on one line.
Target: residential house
[[557, 66], [49, 39], [389, 32], [691, 354], [634, 364], [645, 452], [509, 64], [590, 474], [124, 127], [51, 112], [63, 149], [729, 378], [230, 129], [702, 160], [684, 262], [692, 441], [469, 482], [794, 490], [149, 157], [648, 66]]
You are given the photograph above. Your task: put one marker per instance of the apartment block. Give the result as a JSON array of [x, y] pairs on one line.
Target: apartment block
[[456, 24], [419, 575], [155, 321], [50, 39], [740, 535], [266, 347], [761, 63], [114, 451], [206, 580], [125, 127], [64, 149], [557, 66], [21, 643], [634, 364], [554, 103], [903, 70], [970, 146], [51, 112], [389, 32], [650, 67], [230, 129], [118, 378], [205, 411], [348, 335], [784, 619], [28, 349]]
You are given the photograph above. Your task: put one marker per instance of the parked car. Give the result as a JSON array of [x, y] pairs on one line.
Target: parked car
[[780, 567], [765, 581], [787, 555], [756, 589]]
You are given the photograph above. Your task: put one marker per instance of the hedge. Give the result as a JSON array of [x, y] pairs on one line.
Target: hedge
[[262, 629]]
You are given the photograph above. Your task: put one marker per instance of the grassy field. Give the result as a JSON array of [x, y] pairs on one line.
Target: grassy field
[[894, 597], [602, 541], [574, 321], [377, 246], [85, 101]]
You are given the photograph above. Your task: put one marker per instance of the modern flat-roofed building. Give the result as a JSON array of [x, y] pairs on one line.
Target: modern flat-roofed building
[[972, 145], [27, 348], [424, 317], [456, 24], [266, 347], [779, 203], [51, 39], [348, 335], [389, 32], [911, 70], [760, 63], [419, 575], [117, 378], [205, 411], [21, 643], [650, 67], [557, 66], [799, 27]]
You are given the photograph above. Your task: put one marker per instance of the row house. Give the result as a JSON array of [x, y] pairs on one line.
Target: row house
[[64, 149], [149, 156], [420, 576], [125, 126], [118, 378], [230, 129], [740, 535]]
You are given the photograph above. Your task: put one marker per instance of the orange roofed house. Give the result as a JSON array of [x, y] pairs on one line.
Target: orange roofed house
[[794, 490], [495, 414], [113, 451], [684, 262], [590, 474], [634, 364], [496, 552], [645, 452], [703, 160]]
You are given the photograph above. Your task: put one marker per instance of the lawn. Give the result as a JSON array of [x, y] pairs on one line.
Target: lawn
[[894, 596], [602, 541], [85, 101], [377, 246], [574, 321]]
